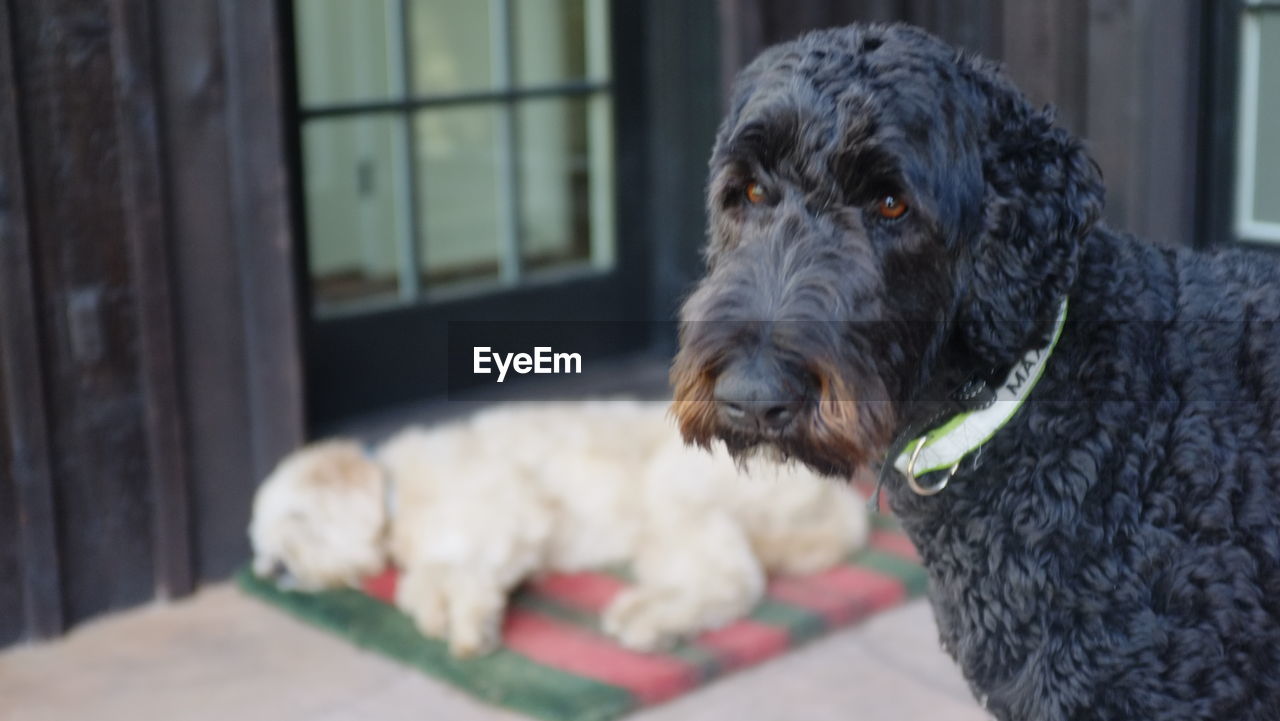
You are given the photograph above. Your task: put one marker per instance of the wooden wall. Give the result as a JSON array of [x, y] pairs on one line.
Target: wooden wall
[[1125, 74], [683, 111], [148, 344]]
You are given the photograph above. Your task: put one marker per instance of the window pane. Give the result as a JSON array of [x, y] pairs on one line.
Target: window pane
[[347, 51], [459, 193], [566, 182], [452, 48], [560, 40], [1257, 210], [1266, 199], [355, 208]]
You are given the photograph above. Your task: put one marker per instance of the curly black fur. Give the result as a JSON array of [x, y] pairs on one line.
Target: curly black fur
[[1113, 552]]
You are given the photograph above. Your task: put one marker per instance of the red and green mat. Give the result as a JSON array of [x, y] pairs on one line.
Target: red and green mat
[[555, 662]]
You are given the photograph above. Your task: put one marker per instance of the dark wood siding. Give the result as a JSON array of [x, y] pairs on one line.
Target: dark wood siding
[[39, 604], [1124, 74], [148, 252], [143, 208], [235, 307], [87, 315], [10, 562], [1143, 113], [681, 54], [209, 308]]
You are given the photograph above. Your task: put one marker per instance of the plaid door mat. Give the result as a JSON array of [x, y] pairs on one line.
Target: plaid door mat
[[556, 664]]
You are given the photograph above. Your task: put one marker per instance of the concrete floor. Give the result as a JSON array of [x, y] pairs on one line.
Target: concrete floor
[[223, 656]]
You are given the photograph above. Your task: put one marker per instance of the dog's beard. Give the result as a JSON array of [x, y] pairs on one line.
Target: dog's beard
[[828, 451], [748, 455], [780, 451], [834, 435]]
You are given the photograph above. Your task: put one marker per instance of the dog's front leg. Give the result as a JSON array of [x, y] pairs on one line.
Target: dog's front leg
[[691, 576], [456, 605]]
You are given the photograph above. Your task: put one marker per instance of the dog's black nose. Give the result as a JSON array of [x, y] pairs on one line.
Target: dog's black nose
[[752, 397], [278, 570]]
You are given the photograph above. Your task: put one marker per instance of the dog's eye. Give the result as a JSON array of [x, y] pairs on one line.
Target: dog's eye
[[755, 193], [891, 208]]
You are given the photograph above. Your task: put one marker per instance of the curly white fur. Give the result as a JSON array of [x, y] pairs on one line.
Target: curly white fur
[[483, 504]]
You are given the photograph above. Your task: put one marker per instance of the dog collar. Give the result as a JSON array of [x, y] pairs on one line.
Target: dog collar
[[388, 483], [945, 446]]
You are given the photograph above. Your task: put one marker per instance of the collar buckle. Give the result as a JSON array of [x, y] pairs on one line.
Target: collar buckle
[[910, 473]]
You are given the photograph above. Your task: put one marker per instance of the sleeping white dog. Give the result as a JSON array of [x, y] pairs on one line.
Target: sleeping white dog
[[468, 510]]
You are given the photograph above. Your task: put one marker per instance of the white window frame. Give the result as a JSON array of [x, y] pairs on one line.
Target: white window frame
[[1245, 224]]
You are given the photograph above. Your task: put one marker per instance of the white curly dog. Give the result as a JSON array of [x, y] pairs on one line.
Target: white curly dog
[[468, 510]]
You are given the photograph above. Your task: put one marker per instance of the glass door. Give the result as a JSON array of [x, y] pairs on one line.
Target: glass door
[[457, 161]]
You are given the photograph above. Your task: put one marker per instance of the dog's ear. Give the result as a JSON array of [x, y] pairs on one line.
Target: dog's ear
[[1043, 195]]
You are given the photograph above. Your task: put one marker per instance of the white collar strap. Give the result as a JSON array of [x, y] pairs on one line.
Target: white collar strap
[[388, 483], [945, 446]]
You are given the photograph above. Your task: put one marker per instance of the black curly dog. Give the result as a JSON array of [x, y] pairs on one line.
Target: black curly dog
[[892, 228]]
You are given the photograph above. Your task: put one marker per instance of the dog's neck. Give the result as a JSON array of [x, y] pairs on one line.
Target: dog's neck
[[958, 380], [964, 386], [958, 383]]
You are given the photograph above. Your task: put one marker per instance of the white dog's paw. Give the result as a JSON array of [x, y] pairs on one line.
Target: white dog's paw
[[422, 598], [653, 619], [451, 607], [477, 633]]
